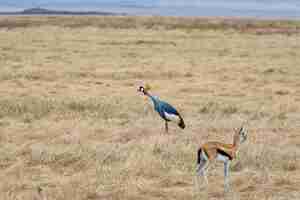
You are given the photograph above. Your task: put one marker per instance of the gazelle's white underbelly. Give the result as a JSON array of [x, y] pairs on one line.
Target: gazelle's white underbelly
[[222, 158]]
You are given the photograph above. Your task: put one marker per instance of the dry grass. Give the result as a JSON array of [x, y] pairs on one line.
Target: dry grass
[[73, 124]]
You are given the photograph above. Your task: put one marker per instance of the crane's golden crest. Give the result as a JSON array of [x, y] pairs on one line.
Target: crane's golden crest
[[147, 87]]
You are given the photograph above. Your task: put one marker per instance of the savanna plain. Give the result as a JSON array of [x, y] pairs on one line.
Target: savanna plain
[[73, 126]]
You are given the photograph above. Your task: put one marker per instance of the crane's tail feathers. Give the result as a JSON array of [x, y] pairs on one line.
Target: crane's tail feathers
[[181, 123]]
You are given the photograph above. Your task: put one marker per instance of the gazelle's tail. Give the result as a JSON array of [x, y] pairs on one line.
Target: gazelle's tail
[[199, 156]]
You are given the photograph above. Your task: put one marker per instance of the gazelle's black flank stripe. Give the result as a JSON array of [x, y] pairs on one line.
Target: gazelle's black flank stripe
[[223, 153]]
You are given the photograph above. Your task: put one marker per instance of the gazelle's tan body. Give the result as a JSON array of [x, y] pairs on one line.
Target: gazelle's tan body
[[219, 151], [212, 149]]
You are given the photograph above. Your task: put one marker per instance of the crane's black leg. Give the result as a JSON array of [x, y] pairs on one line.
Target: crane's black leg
[[166, 126]]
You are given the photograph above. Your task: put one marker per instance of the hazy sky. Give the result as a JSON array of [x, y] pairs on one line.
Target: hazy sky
[[193, 7], [148, 2]]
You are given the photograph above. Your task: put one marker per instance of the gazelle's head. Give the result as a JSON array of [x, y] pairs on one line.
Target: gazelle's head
[[242, 134], [143, 89]]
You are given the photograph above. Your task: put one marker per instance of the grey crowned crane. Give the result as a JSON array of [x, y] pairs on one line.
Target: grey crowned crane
[[165, 110]]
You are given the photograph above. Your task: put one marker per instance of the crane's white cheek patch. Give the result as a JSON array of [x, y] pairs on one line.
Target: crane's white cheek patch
[[172, 117]]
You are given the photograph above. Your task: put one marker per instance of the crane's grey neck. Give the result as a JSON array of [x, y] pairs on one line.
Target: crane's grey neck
[[153, 98]]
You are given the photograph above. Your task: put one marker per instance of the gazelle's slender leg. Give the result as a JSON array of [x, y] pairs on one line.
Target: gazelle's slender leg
[[198, 174], [166, 127], [205, 171], [201, 168], [226, 174]]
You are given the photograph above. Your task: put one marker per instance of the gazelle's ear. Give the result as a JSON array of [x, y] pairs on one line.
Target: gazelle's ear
[[240, 130]]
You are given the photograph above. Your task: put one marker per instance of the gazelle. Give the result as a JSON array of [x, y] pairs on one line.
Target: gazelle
[[221, 152]]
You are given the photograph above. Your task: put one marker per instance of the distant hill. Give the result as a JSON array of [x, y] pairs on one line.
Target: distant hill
[[43, 11]]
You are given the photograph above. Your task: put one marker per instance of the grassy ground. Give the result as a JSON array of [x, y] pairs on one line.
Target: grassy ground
[[73, 124]]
